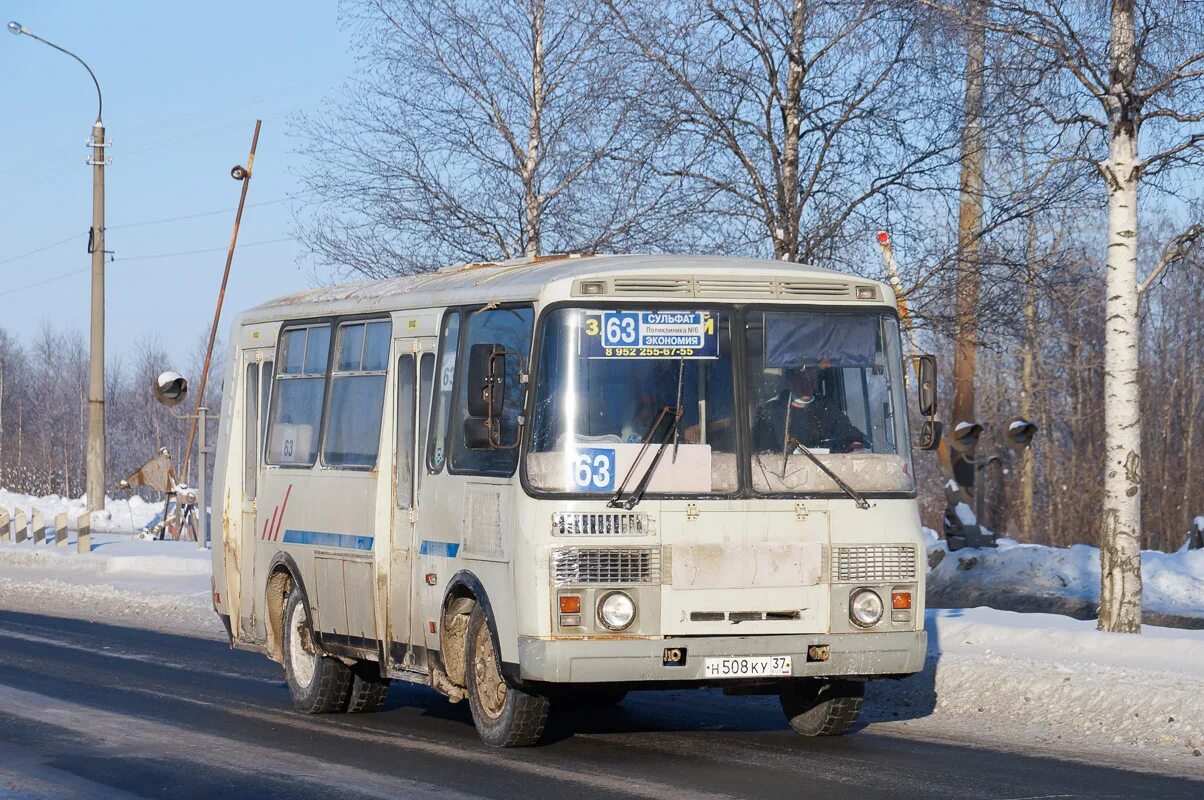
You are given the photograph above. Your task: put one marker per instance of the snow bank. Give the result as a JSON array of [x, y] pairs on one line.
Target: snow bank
[[120, 515], [1018, 576]]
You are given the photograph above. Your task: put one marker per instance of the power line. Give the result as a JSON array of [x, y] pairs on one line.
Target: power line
[[200, 214], [143, 223], [206, 250], [43, 248], [63, 275]]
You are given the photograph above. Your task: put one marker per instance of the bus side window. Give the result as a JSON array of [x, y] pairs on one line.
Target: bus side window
[[265, 395], [426, 378], [357, 395], [251, 433], [405, 431], [449, 343], [298, 396]]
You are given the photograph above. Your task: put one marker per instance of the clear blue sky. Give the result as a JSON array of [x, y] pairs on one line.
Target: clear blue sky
[[183, 84]]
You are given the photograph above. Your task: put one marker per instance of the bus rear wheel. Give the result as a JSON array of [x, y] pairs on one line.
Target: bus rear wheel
[[505, 716], [317, 683], [818, 707], [368, 688]]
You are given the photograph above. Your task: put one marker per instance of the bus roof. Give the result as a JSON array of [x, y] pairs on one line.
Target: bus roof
[[667, 277]]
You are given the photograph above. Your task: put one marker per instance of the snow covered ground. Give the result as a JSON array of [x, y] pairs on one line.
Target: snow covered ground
[[1052, 683], [1038, 682]]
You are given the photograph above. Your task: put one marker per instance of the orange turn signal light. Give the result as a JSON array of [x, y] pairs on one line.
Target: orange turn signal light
[[570, 604], [900, 600]]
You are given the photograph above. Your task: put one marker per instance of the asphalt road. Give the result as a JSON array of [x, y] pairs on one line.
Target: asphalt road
[[93, 711]]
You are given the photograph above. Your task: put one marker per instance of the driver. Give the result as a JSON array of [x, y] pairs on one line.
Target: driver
[[815, 421]]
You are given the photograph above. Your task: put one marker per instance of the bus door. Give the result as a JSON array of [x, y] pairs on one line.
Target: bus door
[[414, 375], [257, 383]]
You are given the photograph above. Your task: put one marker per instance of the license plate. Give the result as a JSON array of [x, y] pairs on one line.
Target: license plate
[[747, 667]]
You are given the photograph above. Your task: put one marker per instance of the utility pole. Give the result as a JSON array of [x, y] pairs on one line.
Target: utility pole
[[96, 246], [96, 361]]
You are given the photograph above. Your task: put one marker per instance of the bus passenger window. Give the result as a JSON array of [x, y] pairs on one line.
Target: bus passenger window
[[405, 430], [300, 393], [511, 328], [440, 413], [357, 394], [250, 433], [426, 378], [265, 393]]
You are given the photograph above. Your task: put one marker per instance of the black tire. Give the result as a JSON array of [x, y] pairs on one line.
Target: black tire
[[505, 716], [368, 688], [594, 697], [818, 707], [318, 683]]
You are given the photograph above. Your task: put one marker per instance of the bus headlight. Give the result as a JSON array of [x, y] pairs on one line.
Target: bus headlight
[[865, 608], [616, 610]]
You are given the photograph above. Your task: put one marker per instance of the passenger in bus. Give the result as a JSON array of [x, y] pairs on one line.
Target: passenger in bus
[[815, 420]]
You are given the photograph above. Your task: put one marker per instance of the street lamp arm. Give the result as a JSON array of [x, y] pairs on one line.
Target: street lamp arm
[[100, 103]]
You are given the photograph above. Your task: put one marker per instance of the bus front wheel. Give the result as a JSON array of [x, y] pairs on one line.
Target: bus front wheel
[[818, 707], [505, 716], [318, 684]]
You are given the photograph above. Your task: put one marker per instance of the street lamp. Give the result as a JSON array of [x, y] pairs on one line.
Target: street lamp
[[96, 246]]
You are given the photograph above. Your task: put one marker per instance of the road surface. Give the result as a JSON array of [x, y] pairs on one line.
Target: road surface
[[95, 711]]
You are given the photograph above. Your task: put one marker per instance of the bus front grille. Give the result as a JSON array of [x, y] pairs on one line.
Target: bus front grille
[[880, 563], [606, 565]]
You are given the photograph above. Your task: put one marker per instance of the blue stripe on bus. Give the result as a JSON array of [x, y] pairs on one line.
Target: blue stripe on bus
[[323, 539], [433, 548]]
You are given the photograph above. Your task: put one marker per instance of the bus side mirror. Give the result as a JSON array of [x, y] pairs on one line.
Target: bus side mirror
[[170, 388], [927, 385], [486, 397], [486, 380]]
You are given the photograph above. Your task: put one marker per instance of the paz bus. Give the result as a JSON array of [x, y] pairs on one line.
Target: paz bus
[[561, 478]]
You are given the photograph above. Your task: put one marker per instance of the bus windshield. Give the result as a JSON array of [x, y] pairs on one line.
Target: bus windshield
[[610, 380], [830, 383], [606, 377]]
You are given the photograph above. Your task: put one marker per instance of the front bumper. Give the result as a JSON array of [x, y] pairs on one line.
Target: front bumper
[[636, 660]]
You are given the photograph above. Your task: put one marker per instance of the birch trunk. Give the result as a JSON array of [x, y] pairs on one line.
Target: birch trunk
[[532, 211], [786, 234], [1120, 545], [969, 231]]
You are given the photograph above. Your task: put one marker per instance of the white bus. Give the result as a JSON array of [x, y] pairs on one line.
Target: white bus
[[566, 477]]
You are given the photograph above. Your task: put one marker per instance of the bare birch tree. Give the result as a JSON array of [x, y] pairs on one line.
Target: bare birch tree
[[478, 130], [798, 124]]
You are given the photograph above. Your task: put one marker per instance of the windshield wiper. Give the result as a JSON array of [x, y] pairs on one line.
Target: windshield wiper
[[861, 502], [674, 416]]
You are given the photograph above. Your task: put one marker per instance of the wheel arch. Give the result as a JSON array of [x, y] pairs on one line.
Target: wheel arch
[[465, 585], [283, 576]]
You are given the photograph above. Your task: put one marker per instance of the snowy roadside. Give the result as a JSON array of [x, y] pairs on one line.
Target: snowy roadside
[[163, 586], [1053, 684]]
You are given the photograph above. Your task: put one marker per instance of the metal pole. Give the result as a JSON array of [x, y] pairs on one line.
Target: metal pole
[[96, 365], [243, 175], [202, 524], [96, 244]]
